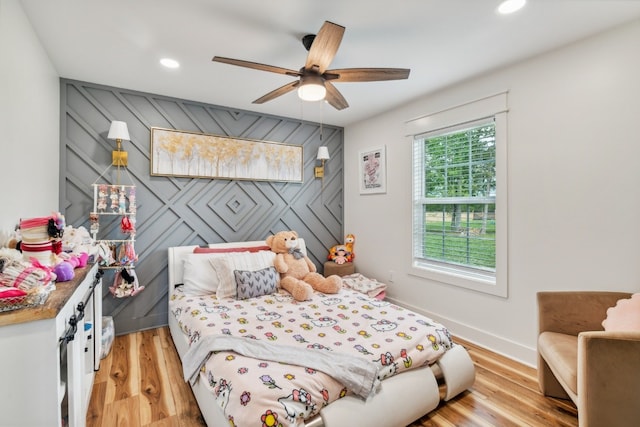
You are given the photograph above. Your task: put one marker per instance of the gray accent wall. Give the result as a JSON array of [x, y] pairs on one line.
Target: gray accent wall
[[175, 211]]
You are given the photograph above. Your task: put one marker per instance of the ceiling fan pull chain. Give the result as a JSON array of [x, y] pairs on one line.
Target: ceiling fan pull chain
[[321, 119]]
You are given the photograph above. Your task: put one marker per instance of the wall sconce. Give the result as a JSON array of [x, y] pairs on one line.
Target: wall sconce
[[119, 132], [323, 154], [311, 88]]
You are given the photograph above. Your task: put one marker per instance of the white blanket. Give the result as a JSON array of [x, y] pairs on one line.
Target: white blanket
[[358, 374]]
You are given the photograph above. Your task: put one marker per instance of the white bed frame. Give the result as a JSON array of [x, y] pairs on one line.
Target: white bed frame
[[401, 400]]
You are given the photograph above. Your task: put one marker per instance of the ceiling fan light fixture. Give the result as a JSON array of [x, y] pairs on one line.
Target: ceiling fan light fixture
[[312, 88]]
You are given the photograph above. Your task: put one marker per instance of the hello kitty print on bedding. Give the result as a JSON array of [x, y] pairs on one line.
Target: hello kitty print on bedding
[[349, 325]]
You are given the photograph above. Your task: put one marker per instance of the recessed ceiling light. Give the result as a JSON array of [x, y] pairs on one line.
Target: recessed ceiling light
[[169, 63], [510, 6]]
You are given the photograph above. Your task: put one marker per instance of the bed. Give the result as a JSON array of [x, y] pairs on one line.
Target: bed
[[260, 358]]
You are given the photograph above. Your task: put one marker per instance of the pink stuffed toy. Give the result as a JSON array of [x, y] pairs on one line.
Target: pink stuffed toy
[[82, 259]]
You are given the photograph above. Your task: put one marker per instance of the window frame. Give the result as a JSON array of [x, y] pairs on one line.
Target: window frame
[[460, 276]]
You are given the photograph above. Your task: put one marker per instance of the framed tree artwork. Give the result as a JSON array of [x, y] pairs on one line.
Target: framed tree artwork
[[199, 155]]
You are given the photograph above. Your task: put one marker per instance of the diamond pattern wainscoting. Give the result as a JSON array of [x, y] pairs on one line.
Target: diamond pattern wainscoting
[[175, 211]]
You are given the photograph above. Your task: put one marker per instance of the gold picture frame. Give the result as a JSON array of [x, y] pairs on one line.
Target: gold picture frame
[[199, 155]]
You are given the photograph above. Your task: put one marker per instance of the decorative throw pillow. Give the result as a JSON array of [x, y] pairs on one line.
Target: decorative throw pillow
[[199, 277], [245, 261], [624, 316], [251, 284]]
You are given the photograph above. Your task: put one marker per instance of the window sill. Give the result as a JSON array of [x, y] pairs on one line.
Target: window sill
[[476, 281]]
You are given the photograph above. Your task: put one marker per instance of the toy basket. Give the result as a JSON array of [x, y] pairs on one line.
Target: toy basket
[[32, 299]]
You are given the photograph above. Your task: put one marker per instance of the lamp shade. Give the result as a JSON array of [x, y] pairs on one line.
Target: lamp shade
[[323, 153], [118, 130], [312, 88]]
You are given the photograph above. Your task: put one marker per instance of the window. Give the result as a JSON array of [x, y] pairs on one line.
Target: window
[[459, 201]]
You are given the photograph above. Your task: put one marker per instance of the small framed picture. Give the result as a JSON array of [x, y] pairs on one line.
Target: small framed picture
[[373, 171]]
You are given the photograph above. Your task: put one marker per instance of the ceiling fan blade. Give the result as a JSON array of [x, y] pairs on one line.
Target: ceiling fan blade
[[255, 66], [334, 97], [324, 46], [278, 92], [367, 74]]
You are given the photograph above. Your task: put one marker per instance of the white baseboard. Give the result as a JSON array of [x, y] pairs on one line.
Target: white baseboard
[[502, 346]]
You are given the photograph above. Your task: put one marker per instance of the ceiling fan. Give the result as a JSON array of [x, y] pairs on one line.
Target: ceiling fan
[[315, 81]]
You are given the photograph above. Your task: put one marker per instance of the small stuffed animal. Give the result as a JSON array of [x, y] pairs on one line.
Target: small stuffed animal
[[340, 255], [350, 242], [298, 274], [64, 271], [349, 256]]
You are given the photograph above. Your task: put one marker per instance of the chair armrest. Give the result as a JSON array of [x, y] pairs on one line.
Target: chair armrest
[[572, 312], [608, 377]]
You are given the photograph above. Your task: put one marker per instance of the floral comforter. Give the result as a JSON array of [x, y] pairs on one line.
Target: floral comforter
[[269, 392]]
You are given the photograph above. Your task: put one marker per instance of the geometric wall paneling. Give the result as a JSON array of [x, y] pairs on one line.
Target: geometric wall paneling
[[173, 211]]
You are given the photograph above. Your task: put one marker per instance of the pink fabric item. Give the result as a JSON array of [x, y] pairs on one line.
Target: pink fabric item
[[74, 261], [624, 316], [34, 222], [36, 247], [9, 292], [47, 270], [56, 246], [200, 250], [82, 259]]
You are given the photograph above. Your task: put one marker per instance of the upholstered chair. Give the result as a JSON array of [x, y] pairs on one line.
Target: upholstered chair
[[577, 359]]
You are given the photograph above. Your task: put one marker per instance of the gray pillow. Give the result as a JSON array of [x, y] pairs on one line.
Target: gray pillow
[[256, 283]]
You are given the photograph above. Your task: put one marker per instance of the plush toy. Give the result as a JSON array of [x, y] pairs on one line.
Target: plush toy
[[347, 248], [64, 271], [350, 242], [339, 254], [298, 274], [83, 257]]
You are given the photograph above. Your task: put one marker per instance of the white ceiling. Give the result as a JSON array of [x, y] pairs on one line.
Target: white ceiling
[[119, 43]]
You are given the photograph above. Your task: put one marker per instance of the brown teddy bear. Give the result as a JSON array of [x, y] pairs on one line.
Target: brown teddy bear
[[298, 274]]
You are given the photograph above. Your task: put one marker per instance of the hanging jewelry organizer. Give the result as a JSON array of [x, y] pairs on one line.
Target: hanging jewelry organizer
[[111, 201]]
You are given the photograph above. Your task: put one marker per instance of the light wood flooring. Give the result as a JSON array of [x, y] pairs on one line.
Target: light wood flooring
[[140, 384]]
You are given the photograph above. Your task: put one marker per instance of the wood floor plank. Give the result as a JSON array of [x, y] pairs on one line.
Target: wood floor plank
[[435, 420], [98, 397], [102, 375], [165, 385], [165, 422], [119, 386], [187, 411], [122, 413], [142, 386], [455, 413], [151, 385]]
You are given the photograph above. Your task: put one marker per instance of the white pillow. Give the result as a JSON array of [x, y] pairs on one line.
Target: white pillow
[[199, 278], [244, 261]]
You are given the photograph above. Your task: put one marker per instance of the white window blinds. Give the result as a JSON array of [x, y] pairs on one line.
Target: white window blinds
[[454, 196]]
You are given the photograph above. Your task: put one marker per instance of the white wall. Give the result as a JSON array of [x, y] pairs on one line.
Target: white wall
[[574, 189], [29, 119]]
